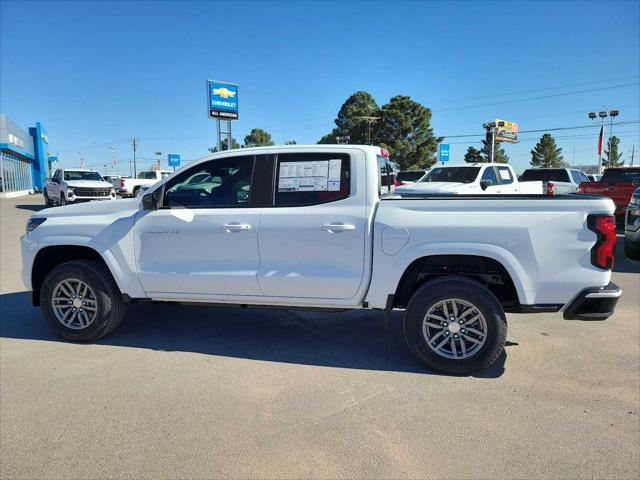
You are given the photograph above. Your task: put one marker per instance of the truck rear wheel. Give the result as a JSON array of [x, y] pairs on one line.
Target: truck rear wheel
[[81, 301], [455, 325]]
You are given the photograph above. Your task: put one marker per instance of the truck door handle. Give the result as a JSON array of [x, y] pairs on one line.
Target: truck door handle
[[337, 227], [236, 227]]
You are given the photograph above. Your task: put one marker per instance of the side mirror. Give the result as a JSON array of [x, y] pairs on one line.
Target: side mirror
[[151, 201], [485, 183]]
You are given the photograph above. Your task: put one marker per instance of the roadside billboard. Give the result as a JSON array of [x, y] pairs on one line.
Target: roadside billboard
[[506, 131], [223, 100]]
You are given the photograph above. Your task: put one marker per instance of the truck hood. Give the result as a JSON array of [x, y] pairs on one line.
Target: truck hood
[[88, 184], [91, 209], [433, 188]]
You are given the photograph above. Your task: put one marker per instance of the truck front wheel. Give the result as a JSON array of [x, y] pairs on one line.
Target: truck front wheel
[[81, 301], [455, 325]]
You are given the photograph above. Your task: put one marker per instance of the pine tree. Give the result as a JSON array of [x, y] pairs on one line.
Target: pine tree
[[406, 132], [613, 157], [499, 155], [473, 155], [546, 154], [351, 121]]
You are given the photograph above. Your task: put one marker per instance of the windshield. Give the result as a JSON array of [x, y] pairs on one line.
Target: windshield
[[546, 175], [452, 174], [79, 175], [147, 175], [621, 175], [410, 176]]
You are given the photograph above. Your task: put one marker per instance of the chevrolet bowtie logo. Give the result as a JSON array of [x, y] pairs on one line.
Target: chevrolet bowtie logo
[[224, 92]]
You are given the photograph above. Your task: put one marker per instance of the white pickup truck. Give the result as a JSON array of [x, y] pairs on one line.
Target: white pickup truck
[[471, 178], [305, 227], [129, 186], [76, 185]]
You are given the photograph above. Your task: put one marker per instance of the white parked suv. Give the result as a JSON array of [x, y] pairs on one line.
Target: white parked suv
[[76, 185], [306, 227], [557, 181], [470, 178]]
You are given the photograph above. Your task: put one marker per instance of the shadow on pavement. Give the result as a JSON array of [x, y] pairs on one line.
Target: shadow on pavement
[[354, 339], [33, 208], [621, 263]]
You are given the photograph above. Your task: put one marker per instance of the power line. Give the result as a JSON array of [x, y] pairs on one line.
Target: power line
[[540, 97], [452, 100]]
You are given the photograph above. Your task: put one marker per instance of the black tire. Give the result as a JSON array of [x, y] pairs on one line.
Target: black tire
[[63, 199], [109, 303], [135, 192], [430, 295], [47, 201], [632, 250]]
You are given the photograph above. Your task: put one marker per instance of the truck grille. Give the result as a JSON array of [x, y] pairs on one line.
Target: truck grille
[[92, 192]]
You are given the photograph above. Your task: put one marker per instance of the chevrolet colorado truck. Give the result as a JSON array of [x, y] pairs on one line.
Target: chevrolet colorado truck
[[616, 183], [76, 185], [471, 178], [307, 227]]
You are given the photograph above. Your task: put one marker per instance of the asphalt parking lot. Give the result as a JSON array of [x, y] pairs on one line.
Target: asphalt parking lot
[[196, 392]]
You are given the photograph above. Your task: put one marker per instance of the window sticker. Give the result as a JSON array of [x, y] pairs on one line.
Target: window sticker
[[335, 167], [504, 174], [311, 176]]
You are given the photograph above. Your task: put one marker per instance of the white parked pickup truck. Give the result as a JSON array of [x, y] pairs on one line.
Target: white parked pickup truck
[[305, 227], [129, 186], [76, 185], [471, 178]]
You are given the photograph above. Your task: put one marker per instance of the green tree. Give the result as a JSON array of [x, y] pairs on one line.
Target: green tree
[[225, 145], [499, 155], [406, 132], [258, 138], [613, 157], [358, 118], [546, 154], [473, 155]]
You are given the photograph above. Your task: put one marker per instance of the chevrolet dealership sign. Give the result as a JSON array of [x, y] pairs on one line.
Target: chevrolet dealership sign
[[223, 100]]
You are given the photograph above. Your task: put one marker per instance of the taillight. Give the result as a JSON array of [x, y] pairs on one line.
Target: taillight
[[550, 186], [603, 251], [581, 188], [397, 183], [122, 183]]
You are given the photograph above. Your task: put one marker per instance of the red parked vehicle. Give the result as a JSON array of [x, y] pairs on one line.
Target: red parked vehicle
[[616, 183]]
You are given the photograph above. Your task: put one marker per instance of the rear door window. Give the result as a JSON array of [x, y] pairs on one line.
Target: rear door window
[[304, 179], [504, 175], [575, 176]]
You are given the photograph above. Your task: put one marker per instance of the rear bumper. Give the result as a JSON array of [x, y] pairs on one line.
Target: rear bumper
[[594, 303]]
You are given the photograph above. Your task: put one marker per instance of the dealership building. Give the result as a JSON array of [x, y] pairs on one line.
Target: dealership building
[[24, 157]]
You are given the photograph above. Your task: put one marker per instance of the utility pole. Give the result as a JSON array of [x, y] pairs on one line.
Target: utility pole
[[369, 121], [113, 160], [135, 146], [158, 160], [633, 151]]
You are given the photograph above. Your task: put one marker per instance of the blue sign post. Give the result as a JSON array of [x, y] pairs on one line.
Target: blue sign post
[[174, 160], [443, 152]]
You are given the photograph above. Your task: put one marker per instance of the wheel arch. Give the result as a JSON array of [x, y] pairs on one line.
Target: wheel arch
[[51, 256], [486, 270]]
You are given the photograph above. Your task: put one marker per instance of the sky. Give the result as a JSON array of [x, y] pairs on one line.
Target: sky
[[97, 74]]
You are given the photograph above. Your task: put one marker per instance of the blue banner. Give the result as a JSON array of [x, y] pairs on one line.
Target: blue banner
[[443, 152], [174, 160]]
